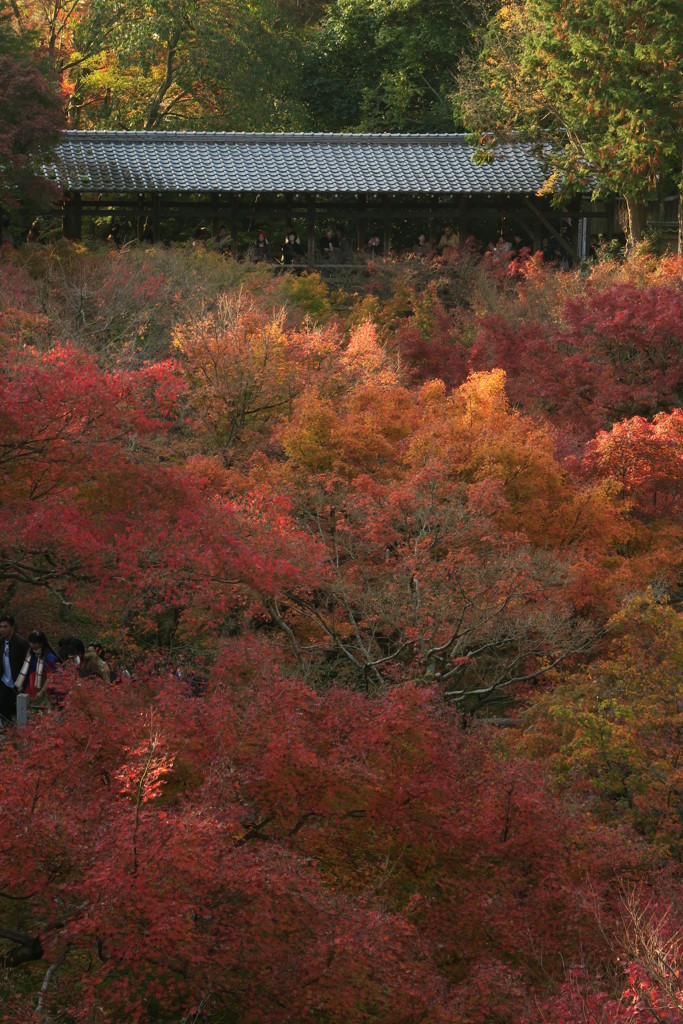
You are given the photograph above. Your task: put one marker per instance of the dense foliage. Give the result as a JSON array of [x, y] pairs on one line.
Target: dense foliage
[[387, 65], [597, 84], [338, 537], [30, 113]]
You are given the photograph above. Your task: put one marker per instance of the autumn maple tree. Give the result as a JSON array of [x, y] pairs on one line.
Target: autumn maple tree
[[360, 859], [401, 741], [426, 508], [31, 115], [145, 65], [614, 728], [90, 513]]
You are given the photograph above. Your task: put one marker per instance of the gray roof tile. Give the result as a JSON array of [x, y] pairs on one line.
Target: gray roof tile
[[254, 162]]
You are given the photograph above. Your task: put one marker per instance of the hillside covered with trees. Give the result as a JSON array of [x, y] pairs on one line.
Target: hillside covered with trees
[[383, 720], [397, 573]]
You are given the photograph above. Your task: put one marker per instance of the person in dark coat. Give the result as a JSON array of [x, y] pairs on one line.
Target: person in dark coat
[[344, 249], [373, 246], [14, 649], [329, 245], [291, 251]]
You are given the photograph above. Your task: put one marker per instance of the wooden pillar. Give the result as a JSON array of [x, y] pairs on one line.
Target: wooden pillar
[[140, 217], [156, 217], [575, 239], [462, 225], [66, 217], [234, 224], [537, 236], [77, 216], [431, 235], [72, 216], [362, 225], [215, 214], [386, 225], [310, 230]]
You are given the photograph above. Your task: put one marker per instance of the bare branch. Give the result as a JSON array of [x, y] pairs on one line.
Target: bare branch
[[48, 977]]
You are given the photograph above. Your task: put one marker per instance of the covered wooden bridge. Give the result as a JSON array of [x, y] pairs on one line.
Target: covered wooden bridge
[[243, 180]]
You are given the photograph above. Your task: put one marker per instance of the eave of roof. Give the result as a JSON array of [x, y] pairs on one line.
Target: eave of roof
[[233, 162]]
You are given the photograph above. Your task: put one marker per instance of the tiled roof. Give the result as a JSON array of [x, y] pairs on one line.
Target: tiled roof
[[323, 163]]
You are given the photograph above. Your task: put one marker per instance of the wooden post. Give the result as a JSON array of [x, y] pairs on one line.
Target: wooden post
[[462, 226], [71, 216], [77, 216], [234, 224], [66, 218], [140, 217], [362, 226], [575, 238], [310, 230], [386, 225], [156, 217], [215, 212], [22, 710]]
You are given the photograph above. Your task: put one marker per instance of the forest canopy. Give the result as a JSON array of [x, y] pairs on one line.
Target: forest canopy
[[340, 612], [396, 700]]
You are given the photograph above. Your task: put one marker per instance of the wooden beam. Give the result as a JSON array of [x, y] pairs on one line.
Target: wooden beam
[[361, 225], [528, 230], [215, 214], [548, 226]]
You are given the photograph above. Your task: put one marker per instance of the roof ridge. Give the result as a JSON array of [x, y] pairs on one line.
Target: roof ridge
[[387, 138]]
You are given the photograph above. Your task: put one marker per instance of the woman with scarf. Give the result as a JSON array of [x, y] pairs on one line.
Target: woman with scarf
[[40, 660]]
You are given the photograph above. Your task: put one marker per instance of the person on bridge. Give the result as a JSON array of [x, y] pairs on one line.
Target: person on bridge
[[292, 253]]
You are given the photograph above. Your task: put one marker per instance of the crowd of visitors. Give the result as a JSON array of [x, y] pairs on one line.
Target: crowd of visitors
[[332, 247], [28, 664], [335, 248]]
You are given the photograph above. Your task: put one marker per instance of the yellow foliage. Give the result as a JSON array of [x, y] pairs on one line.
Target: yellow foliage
[[308, 437]]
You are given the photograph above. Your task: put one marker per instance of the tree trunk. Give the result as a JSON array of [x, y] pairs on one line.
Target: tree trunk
[[155, 108], [637, 223]]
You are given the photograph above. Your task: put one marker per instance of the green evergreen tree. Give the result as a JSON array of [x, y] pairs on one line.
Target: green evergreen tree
[[387, 65], [598, 82]]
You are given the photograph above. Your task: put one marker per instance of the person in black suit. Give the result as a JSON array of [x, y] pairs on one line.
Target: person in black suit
[[13, 650]]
